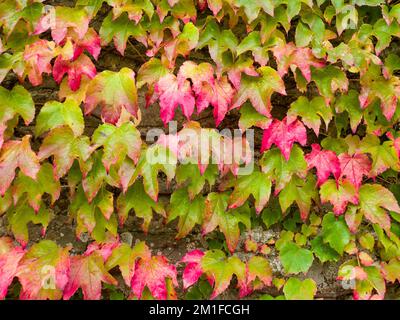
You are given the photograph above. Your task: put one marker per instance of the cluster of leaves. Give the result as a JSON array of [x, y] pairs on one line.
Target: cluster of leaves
[[330, 158]]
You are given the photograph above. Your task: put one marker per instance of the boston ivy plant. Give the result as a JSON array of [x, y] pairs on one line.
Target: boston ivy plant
[[318, 78]]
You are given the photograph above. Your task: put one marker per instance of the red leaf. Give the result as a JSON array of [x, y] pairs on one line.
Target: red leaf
[[9, 259], [325, 161], [284, 135], [88, 272], [171, 94], [152, 273], [90, 42], [354, 167], [17, 154], [193, 270], [75, 69], [288, 55]]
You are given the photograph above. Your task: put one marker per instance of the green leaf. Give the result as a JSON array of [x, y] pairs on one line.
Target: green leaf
[[138, 200], [195, 181], [311, 112], [281, 171], [249, 117], [335, 232], [221, 269], [374, 199], [296, 289], [257, 184], [190, 212], [295, 259], [323, 251], [55, 114], [259, 90], [300, 191], [328, 80], [217, 215], [120, 30], [154, 159]]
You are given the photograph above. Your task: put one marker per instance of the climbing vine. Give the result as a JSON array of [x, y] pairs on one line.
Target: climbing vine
[[313, 87]]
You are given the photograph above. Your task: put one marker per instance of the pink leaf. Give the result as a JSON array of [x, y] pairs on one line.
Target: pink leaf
[[284, 135], [193, 270], [354, 167], [172, 94], [288, 55], [75, 69], [152, 273], [325, 161], [9, 259]]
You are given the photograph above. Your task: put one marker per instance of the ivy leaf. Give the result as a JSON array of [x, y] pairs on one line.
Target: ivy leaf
[[374, 85], [296, 289], [351, 104], [339, 194], [62, 18], [186, 41], [112, 91], [189, 211], [288, 55], [118, 143], [252, 9], [126, 257], [154, 159], [299, 191], [391, 270], [43, 271], [217, 215], [259, 268], [88, 272], [354, 167], [21, 215], [196, 181], [35, 189], [220, 270], [310, 112], [323, 251], [325, 161], [281, 171], [171, 94], [153, 273], [138, 200], [15, 102], [62, 144], [284, 134], [249, 117], [259, 89], [150, 72], [374, 199], [94, 176], [95, 217], [10, 256], [257, 184], [134, 9], [295, 259], [120, 30], [37, 57], [17, 154], [329, 80], [217, 92], [55, 114], [383, 155], [74, 69], [335, 232], [193, 269]]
